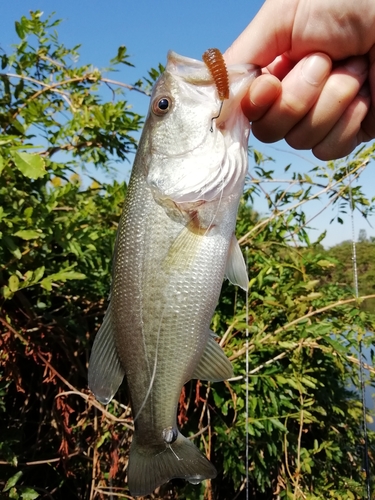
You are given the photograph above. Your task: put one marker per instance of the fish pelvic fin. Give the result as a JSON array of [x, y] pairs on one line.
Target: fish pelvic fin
[[105, 370], [151, 466], [213, 365]]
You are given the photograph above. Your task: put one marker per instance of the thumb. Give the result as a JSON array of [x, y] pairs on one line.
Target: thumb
[[267, 36]]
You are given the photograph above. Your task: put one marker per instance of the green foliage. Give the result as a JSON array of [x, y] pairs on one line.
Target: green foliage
[[58, 227], [342, 272]]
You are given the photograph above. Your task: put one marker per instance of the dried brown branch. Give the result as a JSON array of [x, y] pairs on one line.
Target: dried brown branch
[[73, 390], [110, 492], [41, 462]]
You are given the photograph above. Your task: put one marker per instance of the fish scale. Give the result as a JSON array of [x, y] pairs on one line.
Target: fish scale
[[174, 245]]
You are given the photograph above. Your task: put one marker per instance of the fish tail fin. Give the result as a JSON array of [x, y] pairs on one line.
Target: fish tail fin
[[151, 466]]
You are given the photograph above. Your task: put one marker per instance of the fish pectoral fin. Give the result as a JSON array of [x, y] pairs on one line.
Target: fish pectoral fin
[[182, 251], [213, 365], [105, 370], [151, 466], [236, 268]]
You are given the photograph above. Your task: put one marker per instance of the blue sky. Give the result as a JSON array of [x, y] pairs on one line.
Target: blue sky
[[149, 28]]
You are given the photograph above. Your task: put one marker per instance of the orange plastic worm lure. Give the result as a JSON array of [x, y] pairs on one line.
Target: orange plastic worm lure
[[215, 63]]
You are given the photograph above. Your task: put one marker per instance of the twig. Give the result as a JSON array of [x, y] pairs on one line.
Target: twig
[[226, 334], [44, 491], [54, 87], [125, 85], [322, 309], [73, 390], [94, 458], [302, 318], [293, 207], [202, 431], [260, 367], [331, 201], [113, 493], [49, 59], [89, 398], [41, 462], [298, 470]]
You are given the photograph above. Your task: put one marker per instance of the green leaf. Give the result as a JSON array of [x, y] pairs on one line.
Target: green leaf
[[13, 283], [12, 480], [31, 165], [13, 494], [276, 423], [6, 292], [325, 263], [61, 276], [38, 274], [46, 284], [11, 245], [1, 164], [19, 30], [29, 494], [28, 234], [28, 212]]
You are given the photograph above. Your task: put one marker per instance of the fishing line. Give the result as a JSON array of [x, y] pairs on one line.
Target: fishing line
[[366, 464], [153, 372], [247, 379]]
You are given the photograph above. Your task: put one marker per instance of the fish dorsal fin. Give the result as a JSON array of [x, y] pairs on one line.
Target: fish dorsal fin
[[236, 267], [105, 370], [213, 365]]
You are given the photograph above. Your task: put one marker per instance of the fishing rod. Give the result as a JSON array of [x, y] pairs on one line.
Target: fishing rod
[[247, 381], [366, 460]]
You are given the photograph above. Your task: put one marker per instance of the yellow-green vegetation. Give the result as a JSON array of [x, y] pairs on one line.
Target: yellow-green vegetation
[[342, 272], [57, 235]]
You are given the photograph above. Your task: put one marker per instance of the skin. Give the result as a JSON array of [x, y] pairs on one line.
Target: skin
[[317, 88]]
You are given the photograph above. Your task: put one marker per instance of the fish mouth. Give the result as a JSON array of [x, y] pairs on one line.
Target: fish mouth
[[195, 71]]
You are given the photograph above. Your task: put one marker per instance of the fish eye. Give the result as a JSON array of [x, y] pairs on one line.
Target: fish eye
[[161, 105]]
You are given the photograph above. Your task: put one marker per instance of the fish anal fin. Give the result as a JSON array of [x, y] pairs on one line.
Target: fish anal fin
[[236, 268], [213, 365], [151, 466], [105, 370]]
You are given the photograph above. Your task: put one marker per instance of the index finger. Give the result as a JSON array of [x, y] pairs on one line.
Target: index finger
[[267, 36]]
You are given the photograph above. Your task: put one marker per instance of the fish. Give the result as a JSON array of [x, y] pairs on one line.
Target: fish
[[174, 246]]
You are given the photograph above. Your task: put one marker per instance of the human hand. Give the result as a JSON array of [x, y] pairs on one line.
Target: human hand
[[318, 85]]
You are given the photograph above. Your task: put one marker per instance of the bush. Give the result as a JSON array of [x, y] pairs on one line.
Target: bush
[[301, 329]]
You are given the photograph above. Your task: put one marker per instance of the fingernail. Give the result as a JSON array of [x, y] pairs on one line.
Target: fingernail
[[356, 65], [316, 68]]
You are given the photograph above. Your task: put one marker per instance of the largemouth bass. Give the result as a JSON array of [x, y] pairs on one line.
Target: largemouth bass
[[175, 244]]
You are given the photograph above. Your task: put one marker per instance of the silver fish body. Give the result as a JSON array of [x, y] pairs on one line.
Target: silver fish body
[[175, 244]]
